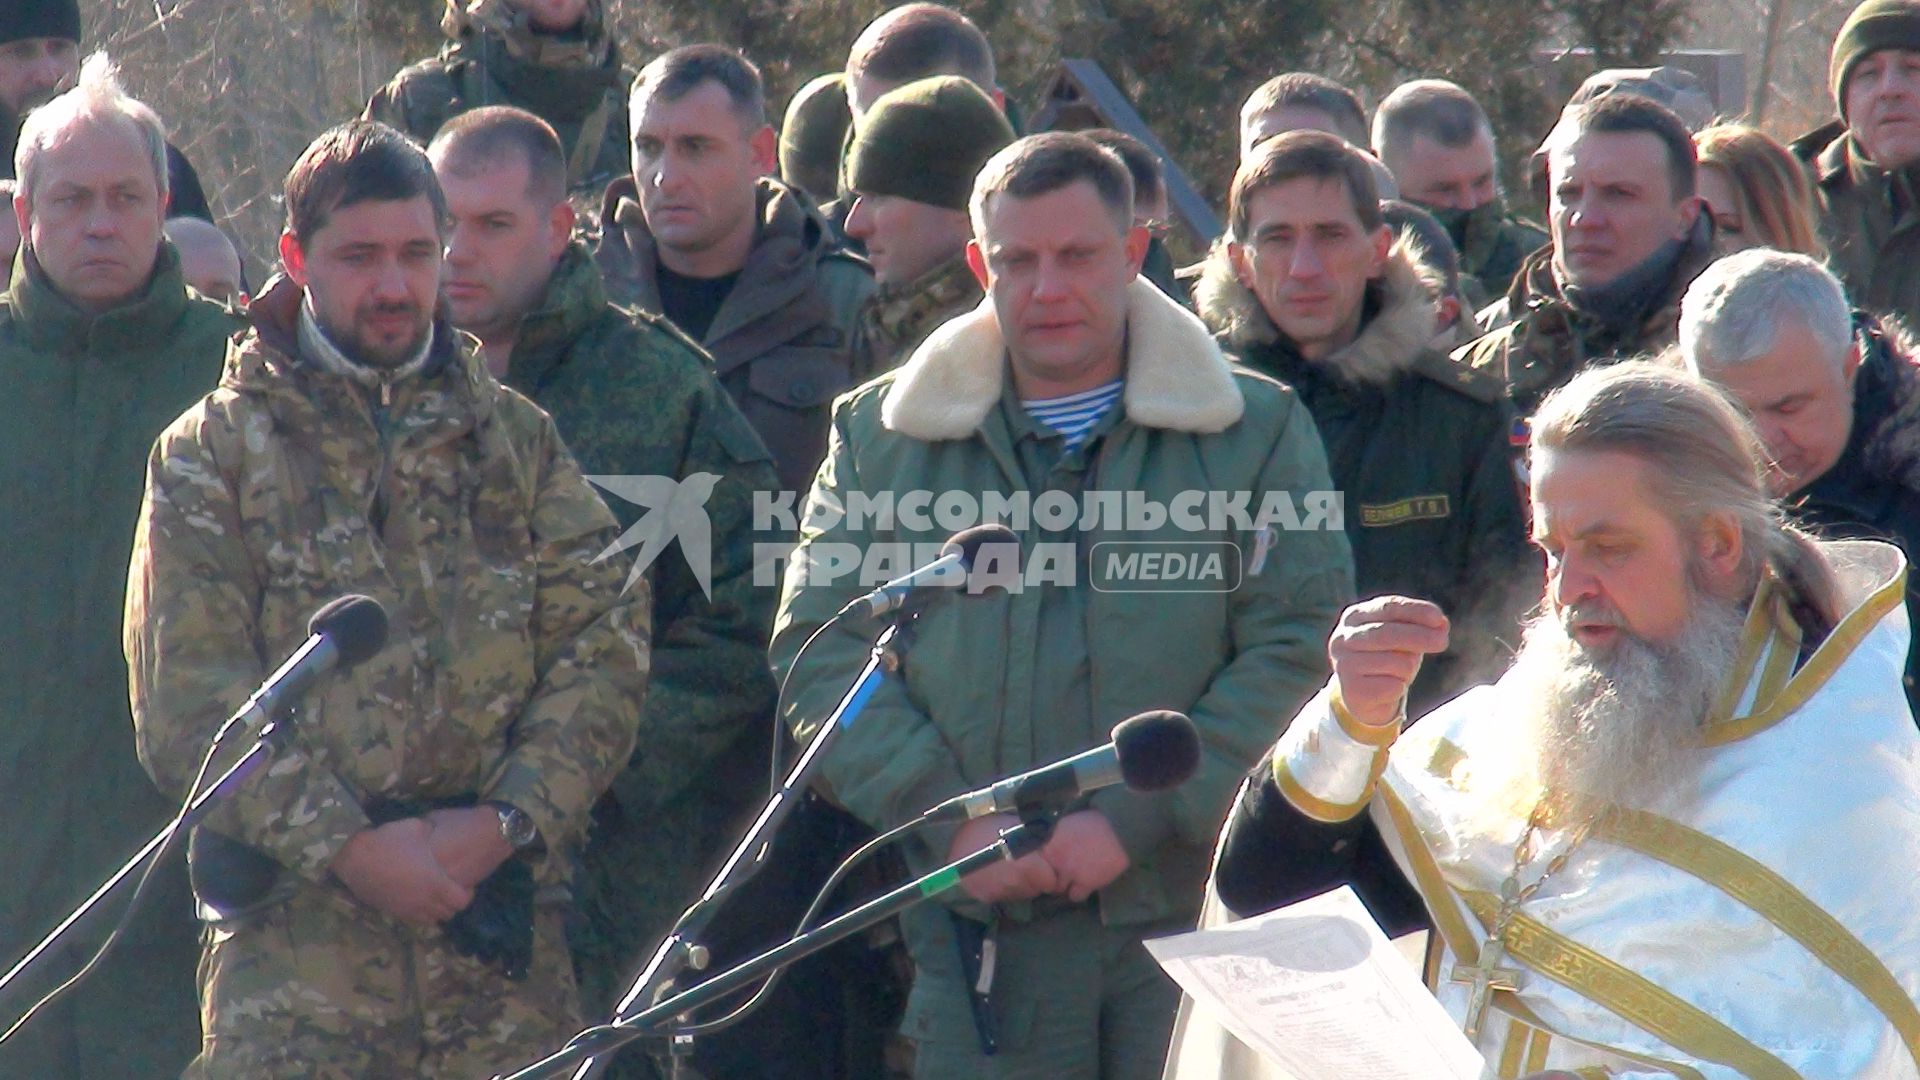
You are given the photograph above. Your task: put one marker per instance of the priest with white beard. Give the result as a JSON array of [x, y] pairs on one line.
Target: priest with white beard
[[1681, 835]]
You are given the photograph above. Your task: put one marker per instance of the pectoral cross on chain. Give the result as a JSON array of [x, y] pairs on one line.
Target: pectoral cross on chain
[[1482, 979]]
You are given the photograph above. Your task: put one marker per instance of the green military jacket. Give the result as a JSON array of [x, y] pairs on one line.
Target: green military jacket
[[515, 662], [633, 398], [1419, 444], [895, 321], [782, 342], [974, 704], [1550, 341], [583, 96], [85, 396], [1869, 222]]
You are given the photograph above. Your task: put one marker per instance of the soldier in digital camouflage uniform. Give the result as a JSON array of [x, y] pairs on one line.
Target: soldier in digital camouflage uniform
[[911, 169], [358, 444], [555, 58], [98, 357], [634, 398]]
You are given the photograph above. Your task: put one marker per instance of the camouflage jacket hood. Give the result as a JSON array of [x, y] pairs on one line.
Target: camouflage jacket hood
[[1391, 339], [564, 76]]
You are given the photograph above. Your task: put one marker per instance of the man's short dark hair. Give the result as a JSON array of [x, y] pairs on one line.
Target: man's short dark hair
[[1304, 89], [1303, 155], [673, 75], [1042, 164], [355, 162], [495, 135], [1143, 165], [918, 41], [1435, 108], [1626, 114]]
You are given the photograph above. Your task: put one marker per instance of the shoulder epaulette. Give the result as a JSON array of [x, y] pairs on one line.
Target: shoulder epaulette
[[1484, 383]]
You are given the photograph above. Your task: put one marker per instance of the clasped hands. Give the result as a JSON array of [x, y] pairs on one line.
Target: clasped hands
[[1082, 857], [423, 870]]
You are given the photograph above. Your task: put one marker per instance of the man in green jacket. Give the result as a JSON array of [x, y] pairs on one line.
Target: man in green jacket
[[1086, 398], [1439, 145], [555, 58], [1862, 163], [911, 168], [1314, 290], [410, 849], [638, 406], [701, 234], [101, 346], [1628, 236]]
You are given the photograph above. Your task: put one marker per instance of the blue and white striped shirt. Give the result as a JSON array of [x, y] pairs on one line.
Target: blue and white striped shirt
[[1075, 415]]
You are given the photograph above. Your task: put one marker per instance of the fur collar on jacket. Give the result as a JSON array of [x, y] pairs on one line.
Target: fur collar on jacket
[[1176, 376], [1401, 329]]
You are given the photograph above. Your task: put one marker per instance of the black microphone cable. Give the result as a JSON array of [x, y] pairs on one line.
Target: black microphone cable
[[360, 634]]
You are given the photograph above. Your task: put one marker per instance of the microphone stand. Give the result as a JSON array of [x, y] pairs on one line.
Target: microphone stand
[[1023, 839], [681, 950], [270, 740]]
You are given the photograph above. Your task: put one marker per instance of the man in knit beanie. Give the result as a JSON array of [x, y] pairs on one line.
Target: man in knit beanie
[[812, 135], [1862, 162], [910, 168], [39, 57]]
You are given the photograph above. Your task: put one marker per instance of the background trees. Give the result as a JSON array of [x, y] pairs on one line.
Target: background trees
[[244, 84]]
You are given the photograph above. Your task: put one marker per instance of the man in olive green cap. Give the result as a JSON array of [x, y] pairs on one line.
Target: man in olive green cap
[[812, 135], [1859, 160], [911, 168]]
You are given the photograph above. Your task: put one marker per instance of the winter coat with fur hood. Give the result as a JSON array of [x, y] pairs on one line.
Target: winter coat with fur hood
[[1419, 443]]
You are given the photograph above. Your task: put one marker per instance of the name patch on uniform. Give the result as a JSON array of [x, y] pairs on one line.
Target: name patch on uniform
[[1417, 508]]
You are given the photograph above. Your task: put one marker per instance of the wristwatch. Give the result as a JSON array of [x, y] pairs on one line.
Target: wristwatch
[[516, 827]]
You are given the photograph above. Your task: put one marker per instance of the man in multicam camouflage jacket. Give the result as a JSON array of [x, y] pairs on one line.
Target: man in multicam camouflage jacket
[[357, 444]]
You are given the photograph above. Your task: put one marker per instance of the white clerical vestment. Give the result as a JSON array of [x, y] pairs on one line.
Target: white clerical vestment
[[1767, 927]]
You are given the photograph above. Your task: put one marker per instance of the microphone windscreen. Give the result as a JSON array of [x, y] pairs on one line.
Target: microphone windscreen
[[1157, 750], [968, 543], [357, 626]]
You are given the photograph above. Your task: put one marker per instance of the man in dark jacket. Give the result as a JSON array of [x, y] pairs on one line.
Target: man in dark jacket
[[1313, 290], [1628, 236], [740, 262], [1862, 162], [40, 56], [555, 58], [1835, 397], [101, 346]]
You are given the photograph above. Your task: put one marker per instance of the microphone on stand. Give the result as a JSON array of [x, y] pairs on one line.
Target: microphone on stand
[[956, 560], [1153, 751]]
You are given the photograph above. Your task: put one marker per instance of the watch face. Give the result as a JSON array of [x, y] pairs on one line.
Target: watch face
[[516, 826]]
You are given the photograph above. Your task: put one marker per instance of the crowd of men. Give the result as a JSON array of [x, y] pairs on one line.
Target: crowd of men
[[1567, 613]]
